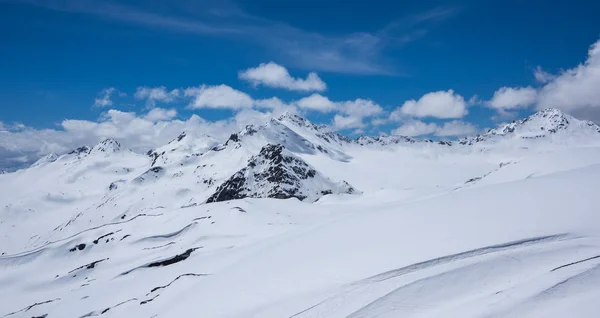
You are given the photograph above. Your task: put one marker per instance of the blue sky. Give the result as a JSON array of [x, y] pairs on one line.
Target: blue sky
[[58, 56]]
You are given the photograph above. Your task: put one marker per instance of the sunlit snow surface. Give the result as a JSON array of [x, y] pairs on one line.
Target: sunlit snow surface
[[505, 227]]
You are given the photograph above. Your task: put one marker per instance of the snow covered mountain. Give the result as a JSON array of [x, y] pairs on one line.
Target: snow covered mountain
[[277, 173], [548, 123], [504, 224]]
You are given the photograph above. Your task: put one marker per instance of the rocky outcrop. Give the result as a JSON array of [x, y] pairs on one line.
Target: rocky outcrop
[[277, 173]]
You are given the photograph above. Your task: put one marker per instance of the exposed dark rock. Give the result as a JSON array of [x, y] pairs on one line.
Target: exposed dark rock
[[273, 173], [473, 180], [103, 236], [175, 259], [80, 150], [148, 300], [88, 266], [31, 306], [77, 247], [174, 280], [577, 262]]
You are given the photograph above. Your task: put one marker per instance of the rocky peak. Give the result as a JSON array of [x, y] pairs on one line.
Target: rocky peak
[[543, 123], [80, 150], [277, 173], [106, 146], [180, 137]]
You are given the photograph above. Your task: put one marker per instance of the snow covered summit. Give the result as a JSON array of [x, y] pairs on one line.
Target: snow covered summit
[[543, 123], [106, 146], [549, 122], [277, 173]]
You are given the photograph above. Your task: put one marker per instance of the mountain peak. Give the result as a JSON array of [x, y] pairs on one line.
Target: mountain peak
[[277, 173], [539, 124], [544, 123], [296, 119], [51, 157], [106, 146]]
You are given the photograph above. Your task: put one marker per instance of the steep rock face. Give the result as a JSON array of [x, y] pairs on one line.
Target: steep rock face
[[277, 173], [545, 123], [83, 150]]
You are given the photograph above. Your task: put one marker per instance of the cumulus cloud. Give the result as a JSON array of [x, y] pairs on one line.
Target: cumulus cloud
[[20, 146], [415, 128], [448, 129], [441, 104], [154, 94], [104, 98], [276, 76], [160, 114], [276, 106], [456, 128], [316, 102], [508, 98], [346, 122], [379, 121], [220, 96], [354, 112], [360, 108], [576, 90]]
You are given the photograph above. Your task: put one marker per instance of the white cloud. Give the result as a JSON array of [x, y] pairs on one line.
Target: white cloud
[[360, 108], [220, 96], [448, 129], [276, 76], [160, 114], [379, 121], [316, 102], [20, 147], [441, 104], [346, 122], [276, 106], [456, 128], [104, 98], [507, 98], [542, 76], [576, 90], [415, 128], [154, 94], [354, 112]]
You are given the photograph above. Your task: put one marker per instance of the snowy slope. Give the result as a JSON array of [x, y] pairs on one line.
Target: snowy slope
[[504, 227]]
